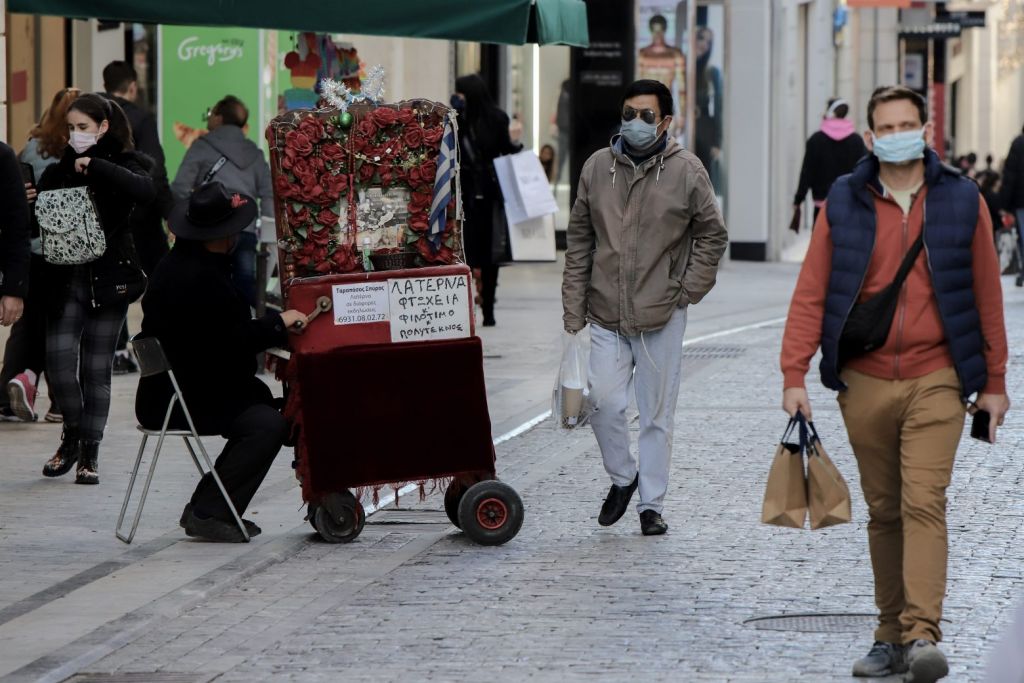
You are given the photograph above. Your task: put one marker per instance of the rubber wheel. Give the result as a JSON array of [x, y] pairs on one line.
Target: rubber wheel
[[491, 513], [346, 522], [452, 497], [311, 514]]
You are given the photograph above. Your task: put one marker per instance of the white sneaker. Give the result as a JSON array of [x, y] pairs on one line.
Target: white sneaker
[[927, 663]]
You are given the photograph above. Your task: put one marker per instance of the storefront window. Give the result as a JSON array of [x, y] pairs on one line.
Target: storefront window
[[709, 93]]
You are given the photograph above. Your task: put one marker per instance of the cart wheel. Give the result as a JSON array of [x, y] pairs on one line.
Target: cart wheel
[[311, 514], [491, 513], [345, 524], [452, 497]]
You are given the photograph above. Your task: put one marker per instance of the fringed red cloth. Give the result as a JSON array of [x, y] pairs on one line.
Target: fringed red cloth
[[370, 417]]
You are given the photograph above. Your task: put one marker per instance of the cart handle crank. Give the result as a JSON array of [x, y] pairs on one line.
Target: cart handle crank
[[323, 304]]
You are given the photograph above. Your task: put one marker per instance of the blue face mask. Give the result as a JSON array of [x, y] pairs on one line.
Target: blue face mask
[[638, 134], [899, 148]]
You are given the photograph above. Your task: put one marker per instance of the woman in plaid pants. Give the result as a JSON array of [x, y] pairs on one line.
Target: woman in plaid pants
[[88, 303]]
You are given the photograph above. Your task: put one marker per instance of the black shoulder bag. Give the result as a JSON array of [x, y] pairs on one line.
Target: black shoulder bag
[[869, 322]]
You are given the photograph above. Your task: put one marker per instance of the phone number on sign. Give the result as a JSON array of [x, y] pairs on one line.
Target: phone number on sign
[[362, 318]]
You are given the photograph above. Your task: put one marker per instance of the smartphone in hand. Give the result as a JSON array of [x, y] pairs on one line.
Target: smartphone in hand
[[28, 173], [980, 425]]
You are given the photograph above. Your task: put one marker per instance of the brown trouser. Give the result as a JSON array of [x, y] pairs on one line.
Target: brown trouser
[[904, 434]]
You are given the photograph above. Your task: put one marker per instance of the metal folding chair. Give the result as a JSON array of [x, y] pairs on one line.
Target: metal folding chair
[[152, 361]]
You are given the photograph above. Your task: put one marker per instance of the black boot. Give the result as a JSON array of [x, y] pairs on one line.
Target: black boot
[[66, 456], [88, 463]]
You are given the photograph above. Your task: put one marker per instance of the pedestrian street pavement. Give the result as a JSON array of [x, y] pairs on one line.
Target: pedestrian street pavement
[[565, 600]]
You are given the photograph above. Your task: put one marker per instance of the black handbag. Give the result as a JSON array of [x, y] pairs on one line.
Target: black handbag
[[869, 322]]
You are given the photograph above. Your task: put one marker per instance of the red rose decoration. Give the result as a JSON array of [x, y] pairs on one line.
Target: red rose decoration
[[297, 219], [432, 136], [384, 116], [415, 176], [312, 128], [428, 169], [420, 201], [366, 173], [319, 236], [302, 169], [297, 143], [406, 116], [327, 218], [283, 187], [332, 152], [366, 128], [418, 222], [386, 174], [344, 260], [334, 185], [286, 162], [413, 136]]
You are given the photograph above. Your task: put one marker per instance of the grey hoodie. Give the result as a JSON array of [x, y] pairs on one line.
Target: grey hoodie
[[246, 170]]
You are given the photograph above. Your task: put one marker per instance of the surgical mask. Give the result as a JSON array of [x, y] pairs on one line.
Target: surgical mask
[[81, 141], [899, 148], [639, 134]]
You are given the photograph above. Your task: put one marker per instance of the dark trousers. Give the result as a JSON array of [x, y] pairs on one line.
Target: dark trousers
[[26, 347], [488, 289], [254, 439]]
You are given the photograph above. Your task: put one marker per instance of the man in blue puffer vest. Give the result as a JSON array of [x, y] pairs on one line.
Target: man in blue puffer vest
[[904, 402]]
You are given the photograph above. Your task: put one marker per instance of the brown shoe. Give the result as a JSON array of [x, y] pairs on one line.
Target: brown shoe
[[66, 456]]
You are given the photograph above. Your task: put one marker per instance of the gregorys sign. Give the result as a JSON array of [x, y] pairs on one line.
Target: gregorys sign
[[194, 48]]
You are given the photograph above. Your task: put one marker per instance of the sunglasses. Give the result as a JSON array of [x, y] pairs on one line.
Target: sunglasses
[[646, 115]]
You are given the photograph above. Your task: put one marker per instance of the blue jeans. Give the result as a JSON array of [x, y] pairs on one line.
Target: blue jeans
[[243, 266]]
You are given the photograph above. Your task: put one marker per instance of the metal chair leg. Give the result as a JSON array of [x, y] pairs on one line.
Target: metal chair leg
[[128, 495], [192, 452]]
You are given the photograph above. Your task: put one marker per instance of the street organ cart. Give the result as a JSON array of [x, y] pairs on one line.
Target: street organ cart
[[386, 384]]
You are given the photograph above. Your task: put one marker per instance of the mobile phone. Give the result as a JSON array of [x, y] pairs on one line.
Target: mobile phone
[[28, 173], [980, 425]]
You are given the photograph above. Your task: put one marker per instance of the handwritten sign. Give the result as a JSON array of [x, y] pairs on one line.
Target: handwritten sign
[[429, 308], [365, 302]]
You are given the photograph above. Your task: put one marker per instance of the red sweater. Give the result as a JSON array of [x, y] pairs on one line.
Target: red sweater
[[917, 343]]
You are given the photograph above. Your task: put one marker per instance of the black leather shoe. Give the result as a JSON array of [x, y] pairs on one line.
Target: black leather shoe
[[616, 503], [651, 523], [249, 526], [212, 529]]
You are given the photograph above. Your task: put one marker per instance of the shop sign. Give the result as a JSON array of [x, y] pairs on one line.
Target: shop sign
[[965, 19], [199, 65]]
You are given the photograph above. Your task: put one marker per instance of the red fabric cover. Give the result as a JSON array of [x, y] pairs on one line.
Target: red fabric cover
[[384, 414], [323, 334]]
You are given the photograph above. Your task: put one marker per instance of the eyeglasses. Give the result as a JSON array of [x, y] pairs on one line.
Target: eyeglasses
[[647, 115], [207, 114]]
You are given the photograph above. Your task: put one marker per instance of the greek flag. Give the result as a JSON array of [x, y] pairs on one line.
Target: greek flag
[[446, 169]]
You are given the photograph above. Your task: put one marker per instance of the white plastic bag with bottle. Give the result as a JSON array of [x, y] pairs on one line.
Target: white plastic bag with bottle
[[571, 406]]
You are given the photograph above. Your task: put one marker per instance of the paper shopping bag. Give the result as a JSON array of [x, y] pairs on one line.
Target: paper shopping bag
[[827, 492], [785, 496]]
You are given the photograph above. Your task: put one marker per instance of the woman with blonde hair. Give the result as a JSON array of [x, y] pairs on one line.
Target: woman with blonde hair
[[25, 353]]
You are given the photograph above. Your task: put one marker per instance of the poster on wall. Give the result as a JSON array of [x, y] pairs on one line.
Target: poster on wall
[[662, 40], [198, 67]]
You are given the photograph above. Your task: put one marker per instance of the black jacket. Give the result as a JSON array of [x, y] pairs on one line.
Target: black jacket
[[14, 226], [1011, 197], [825, 160], [147, 221], [209, 336], [119, 181]]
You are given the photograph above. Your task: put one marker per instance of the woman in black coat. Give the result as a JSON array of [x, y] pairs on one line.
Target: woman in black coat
[[87, 304], [483, 136]]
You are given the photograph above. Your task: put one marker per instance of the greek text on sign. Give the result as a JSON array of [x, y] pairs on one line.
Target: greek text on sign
[[365, 302], [429, 308]]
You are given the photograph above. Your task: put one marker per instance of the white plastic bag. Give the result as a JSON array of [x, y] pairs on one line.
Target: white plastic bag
[[571, 406]]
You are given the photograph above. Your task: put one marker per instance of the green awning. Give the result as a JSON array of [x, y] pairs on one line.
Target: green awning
[[513, 22]]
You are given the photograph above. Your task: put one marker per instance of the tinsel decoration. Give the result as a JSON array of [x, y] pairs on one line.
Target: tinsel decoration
[[340, 97]]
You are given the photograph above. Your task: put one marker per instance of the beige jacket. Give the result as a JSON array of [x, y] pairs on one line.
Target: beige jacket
[[642, 241]]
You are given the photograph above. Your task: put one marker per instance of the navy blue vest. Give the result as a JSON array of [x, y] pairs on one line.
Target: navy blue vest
[[951, 216]]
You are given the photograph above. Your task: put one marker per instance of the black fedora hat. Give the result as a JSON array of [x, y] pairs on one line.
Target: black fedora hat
[[211, 213]]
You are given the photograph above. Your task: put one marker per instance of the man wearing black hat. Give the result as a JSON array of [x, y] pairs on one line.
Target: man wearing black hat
[[211, 340]]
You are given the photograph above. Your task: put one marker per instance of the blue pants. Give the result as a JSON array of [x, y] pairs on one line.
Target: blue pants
[[243, 266]]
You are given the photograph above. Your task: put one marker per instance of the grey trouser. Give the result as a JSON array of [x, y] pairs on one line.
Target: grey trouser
[[652, 362]]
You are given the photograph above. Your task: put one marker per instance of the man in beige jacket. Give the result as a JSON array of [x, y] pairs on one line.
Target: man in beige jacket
[[644, 241]]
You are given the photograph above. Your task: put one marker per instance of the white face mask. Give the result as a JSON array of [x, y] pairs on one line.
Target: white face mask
[[81, 141]]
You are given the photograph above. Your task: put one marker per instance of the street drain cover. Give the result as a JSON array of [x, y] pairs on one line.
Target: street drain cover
[[139, 677], [709, 351], [815, 623]]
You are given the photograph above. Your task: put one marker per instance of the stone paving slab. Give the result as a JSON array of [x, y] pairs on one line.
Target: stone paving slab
[[569, 600]]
